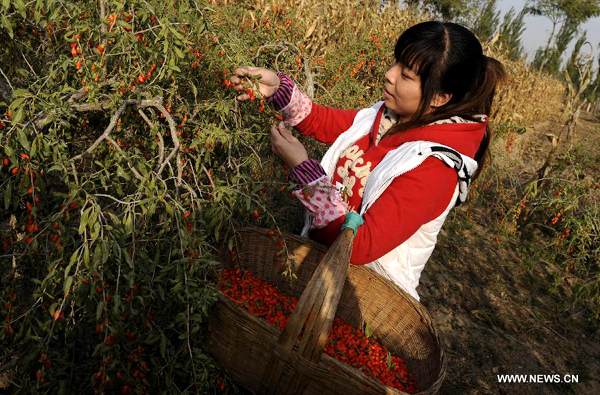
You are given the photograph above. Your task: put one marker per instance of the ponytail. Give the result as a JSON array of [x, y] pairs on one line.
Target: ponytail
[[493, 73]]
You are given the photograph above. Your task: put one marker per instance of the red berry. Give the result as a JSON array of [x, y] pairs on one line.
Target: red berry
[[58, 315]]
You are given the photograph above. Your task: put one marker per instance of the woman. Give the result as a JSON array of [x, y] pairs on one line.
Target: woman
[[403, 163]]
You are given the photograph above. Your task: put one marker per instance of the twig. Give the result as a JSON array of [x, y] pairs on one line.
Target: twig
[[175, 149], [111, 125], [74, 173], [326, 91], [309, 83], [120, 151], [212, 184], [26, 61], [161, 143], [10, 354], [8, 366], [7, 80]]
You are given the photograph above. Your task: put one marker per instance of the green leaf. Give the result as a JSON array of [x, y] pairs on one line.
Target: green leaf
[[72, 260], [177, 287], [128, 222], [9, 151], [20, 6], [84, 220], [7, 196], [34, 147], [5, 4], [178, 53], [124, 24], [18, 102], [86, 255], [122, 173], [114, 218], [71, 263], [21, 134], [105, 251], [99, 309], [95, 231], [67, 284], [8, 26], [163, 345], [176, 33]]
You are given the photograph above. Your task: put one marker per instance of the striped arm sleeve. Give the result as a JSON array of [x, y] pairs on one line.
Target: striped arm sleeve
[[283, 95], [306, 172]]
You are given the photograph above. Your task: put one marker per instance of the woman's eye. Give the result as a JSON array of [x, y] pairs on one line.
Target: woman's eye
[[405, 76]]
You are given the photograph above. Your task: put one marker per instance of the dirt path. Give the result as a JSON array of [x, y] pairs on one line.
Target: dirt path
[[497, 316]]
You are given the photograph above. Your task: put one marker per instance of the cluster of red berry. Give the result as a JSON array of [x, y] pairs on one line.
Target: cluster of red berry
[[247, 90], [346, 343]]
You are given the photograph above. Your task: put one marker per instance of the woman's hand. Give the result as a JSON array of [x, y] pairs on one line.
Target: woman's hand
[[286, 146], [267, 85]]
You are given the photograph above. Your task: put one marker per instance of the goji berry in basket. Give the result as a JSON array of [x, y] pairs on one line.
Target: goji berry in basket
[[346, 343]]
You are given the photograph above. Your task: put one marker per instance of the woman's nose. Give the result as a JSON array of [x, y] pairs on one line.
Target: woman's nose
[[388, 76]]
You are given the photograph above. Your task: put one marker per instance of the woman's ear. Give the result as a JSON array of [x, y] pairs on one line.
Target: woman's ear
[[441, 99]]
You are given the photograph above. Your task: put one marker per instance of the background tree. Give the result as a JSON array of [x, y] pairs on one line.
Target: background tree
[[444, 9], [572, 63], [550, 60], [486, 24], [510, 32], [592, 92], [559, 11]]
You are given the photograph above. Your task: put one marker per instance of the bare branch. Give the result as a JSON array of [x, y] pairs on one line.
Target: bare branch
[[7, 80], [109, 128]]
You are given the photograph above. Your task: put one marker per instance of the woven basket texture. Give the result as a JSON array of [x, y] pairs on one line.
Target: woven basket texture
[[243, 344]]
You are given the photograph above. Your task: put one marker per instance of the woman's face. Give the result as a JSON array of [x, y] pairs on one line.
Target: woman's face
[[402, 91]]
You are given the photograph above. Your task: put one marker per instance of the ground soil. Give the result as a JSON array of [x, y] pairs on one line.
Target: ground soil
[[499, 313]]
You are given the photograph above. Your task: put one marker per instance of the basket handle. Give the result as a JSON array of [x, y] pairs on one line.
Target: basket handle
[[317, 304]]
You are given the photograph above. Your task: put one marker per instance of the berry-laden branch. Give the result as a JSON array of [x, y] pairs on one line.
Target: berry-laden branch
[[155, 102]]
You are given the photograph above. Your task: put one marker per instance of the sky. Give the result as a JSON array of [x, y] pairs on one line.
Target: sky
[[537, 29]]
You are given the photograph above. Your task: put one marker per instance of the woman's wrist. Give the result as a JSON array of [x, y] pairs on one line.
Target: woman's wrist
[[282, 96]]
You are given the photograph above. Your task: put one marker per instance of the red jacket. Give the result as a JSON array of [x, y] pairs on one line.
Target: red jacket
[[412, 199]]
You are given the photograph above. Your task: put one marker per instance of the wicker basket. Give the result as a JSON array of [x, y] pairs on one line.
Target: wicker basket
[[251, 350]]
